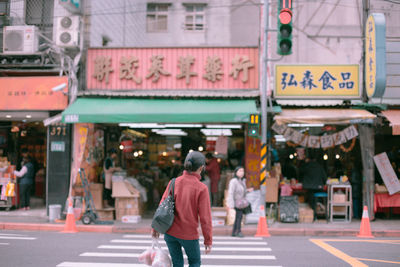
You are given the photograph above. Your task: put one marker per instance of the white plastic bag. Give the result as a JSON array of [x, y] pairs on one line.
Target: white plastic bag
[[154, 256], [161, 257], [147, 256]]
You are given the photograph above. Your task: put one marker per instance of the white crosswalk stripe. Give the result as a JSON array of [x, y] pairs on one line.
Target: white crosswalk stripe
[[226, 251], [110, 264], [201, 238], [149, 241], [15, 237], [202, 248]]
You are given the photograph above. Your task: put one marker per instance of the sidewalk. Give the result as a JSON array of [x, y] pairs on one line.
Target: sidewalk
[[37, 220]]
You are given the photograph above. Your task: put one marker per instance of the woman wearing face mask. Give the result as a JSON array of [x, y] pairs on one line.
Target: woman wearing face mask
[[237, 191]]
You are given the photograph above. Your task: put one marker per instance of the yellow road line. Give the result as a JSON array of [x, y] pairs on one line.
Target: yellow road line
[[395, 262], [341, 255], [388, 241]]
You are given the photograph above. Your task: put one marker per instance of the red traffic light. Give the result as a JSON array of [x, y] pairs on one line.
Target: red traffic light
[[285, 16]]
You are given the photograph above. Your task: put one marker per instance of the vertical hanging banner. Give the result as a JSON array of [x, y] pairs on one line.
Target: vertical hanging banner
[[80, 137], [375, 55], [253, 151], [221, 146], [387, 173]]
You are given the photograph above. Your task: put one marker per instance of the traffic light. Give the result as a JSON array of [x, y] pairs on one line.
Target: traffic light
[[285, 27], [254, 125]]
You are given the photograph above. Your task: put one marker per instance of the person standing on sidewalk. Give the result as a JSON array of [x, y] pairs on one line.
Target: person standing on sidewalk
[[108, 169], [192, 204], [214, 172], [26, 177], [237, 191]]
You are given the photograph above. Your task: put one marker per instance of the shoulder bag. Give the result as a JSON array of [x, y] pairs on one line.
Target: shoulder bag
[[164, 215]]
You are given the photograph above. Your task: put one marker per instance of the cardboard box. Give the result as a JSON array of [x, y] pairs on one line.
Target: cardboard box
[[272, 190], [218, 222], [123, 189], [380, 188], [339, 209], [97, 193], [339, 198], [306, 214], [127, 206], [106, 214]]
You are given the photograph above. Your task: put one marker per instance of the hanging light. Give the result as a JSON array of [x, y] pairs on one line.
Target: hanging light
[[291, 156], [325, 157], [140, 152], [135, 154], [201, 148], [337, 156], [121, 147]]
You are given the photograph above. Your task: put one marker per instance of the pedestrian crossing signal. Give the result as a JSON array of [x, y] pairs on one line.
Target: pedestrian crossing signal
[[254, 125]]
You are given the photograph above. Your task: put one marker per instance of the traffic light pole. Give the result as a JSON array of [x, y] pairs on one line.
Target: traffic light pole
[[264, 85]]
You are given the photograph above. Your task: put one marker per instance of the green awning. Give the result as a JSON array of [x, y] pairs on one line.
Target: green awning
[[102, 110]]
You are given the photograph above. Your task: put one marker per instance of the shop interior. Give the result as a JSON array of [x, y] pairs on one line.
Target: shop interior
[[342, 165], [15, 137], [151, 154]]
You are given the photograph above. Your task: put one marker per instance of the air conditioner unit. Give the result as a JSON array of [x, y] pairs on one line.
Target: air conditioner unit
[[20, 40], [67, 31]]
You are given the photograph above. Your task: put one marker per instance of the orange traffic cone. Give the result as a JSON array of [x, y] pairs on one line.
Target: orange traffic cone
[[365, 229], [262, 227], [70, 226]]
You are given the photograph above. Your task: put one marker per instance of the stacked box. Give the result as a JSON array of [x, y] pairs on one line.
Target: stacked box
[[126, 206], [96, 189], [106, 214], [306, 214]]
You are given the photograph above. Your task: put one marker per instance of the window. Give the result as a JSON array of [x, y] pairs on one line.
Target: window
[[194, 18], [40, 14], [157, 18]]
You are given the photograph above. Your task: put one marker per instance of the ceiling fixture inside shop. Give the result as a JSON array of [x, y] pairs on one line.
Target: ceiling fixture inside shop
[[216, 132], [224, 126], [177, 132], [306, 125]]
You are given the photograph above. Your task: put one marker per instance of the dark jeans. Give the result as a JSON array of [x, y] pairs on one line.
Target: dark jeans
[[192, 250], [25, 195], [108, 197], [238, 221], [311, 199]]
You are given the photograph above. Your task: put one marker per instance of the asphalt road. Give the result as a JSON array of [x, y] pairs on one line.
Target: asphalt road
[[21, 248]]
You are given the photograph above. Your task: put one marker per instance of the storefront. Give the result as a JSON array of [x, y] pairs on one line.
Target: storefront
[[338, 136], [24, 103], [157, 104]]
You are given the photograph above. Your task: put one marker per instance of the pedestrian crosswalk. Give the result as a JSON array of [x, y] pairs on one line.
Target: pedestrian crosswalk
[[8, 237], [226, 251]]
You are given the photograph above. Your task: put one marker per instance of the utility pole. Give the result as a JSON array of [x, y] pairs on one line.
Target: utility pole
[[263, 86]]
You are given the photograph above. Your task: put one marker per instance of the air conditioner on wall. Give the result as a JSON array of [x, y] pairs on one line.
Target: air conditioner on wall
[[67, 31], [21, 40]]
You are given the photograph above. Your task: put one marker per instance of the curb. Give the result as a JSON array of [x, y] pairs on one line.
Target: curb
[[223, 231]]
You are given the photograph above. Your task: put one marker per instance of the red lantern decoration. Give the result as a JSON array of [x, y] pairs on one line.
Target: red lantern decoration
[[128, 146]]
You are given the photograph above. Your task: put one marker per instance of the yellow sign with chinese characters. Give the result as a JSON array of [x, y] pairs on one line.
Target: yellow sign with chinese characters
[[370, 57], [375, 55], [317, 81]]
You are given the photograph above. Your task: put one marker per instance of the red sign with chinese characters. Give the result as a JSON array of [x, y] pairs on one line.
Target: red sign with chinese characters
[[172, 68], [32, 93]]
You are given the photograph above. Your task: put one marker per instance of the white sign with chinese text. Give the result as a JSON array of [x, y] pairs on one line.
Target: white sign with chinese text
[[387, 173], [221, 145]]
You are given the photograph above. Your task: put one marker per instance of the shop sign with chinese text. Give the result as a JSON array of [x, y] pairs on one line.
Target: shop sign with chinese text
[[32, 93], [172, 68], [375, 55], [317, 81]]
